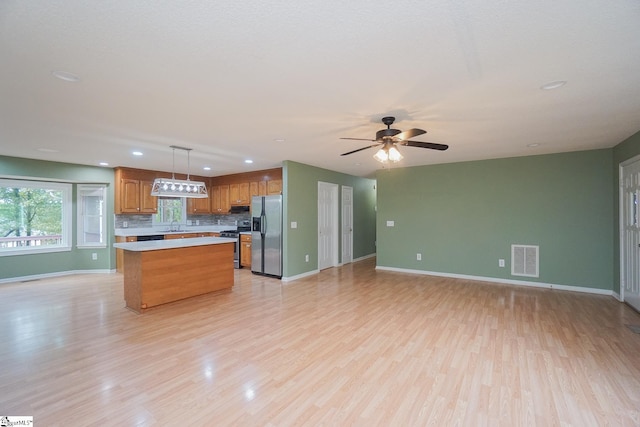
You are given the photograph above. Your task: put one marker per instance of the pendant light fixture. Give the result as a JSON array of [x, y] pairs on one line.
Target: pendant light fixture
[[165, 187]]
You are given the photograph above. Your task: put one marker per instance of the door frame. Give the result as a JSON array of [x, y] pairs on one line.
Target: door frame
[[343, 222], [621, 207], [335, 227]]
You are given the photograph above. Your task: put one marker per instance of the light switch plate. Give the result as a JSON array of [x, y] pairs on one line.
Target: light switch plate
[[391, 223], [294, 224]]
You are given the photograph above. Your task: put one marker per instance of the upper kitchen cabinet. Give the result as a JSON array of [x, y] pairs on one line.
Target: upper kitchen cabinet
[[239, 194], [220, 199], [133, 193], [201, 206], [244, 186], [258, 188], [274, 186]]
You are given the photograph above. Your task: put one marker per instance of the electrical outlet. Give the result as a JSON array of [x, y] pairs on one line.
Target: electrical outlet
[[391, 223], [419, 257], [306, 258], [125, 224], [501, 263], [94, 256]]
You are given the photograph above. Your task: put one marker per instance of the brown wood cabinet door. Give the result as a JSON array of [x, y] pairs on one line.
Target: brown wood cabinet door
[[234, 193], [225, 204], [200, 206], [148, 203], [245, 251], [129, 195], [262, 188], [254, 189], [245, 196], [274, 186], [215, 198]]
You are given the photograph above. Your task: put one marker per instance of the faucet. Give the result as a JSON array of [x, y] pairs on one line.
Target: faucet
[[171, 227]]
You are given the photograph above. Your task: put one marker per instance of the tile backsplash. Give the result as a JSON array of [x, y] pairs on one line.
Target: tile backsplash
[[145, 221]]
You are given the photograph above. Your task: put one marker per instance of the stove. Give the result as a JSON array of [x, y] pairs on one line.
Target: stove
[[235, 234]]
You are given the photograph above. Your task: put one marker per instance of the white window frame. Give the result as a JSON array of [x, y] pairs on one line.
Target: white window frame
[[67, 216], [155, 223], [100, 189]]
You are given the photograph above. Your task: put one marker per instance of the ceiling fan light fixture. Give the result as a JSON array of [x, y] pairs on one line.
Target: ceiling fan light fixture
[[394, 154], [381, 156], [388, 153]]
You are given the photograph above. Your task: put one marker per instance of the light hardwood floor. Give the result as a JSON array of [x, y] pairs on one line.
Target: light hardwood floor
[[349, 346]]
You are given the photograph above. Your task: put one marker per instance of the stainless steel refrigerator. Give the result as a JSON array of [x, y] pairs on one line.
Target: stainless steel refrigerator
[[266, 235]]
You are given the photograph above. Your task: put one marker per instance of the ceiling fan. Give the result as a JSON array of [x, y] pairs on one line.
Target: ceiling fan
[[388, 139]]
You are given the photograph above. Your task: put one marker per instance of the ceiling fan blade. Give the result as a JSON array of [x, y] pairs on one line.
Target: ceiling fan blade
[[431, 145], [360, 139], [359, 149], [408, 134]]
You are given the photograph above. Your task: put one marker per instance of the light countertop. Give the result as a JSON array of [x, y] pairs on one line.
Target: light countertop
[[148, 231], [154, 245]]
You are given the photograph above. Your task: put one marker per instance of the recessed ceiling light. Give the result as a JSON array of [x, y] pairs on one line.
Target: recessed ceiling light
[[103, 164], [66, 76], [47, 150], [534, 144], [207, 168], [137, 153], [248, 161], [553, 85]]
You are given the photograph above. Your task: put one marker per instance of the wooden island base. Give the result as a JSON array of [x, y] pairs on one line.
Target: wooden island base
[[157, 277]]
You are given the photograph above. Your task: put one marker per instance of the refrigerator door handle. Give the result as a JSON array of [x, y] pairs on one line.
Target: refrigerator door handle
[[263, 224]]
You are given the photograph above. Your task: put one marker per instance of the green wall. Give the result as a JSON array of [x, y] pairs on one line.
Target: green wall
[[300, 189], [626, 150], [463, 217], [76, 259]]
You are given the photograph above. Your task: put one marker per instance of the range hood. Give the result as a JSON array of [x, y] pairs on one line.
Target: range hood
[[239, 209]]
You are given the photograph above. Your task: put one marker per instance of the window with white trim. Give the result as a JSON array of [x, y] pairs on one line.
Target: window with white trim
[[92, 216], [35, 217], [170, 210]]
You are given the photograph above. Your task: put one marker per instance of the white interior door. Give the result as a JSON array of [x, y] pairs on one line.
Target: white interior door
[[327, 225], [347, 224], [630, 230]]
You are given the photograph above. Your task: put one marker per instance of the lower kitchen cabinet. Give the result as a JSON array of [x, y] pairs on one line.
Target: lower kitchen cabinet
[[188, 235], [120, 252], [245, 250]]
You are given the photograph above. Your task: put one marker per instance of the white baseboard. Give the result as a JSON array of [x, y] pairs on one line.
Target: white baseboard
[[299, 276], [362, 258], [502, 281], [55, 274], [312, 272]]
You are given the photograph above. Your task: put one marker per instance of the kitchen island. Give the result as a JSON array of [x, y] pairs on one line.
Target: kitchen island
[[161, 271]]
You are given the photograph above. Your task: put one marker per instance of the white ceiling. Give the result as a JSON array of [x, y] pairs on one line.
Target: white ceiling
[[229, 79]]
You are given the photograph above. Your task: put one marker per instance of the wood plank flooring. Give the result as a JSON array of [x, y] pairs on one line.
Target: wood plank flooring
[[349, 346]]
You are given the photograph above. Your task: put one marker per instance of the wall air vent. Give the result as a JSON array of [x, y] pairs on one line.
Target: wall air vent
[[524, 260]]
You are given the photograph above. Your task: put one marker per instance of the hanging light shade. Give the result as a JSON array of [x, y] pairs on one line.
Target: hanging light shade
[[172, 187], [388, 152]]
